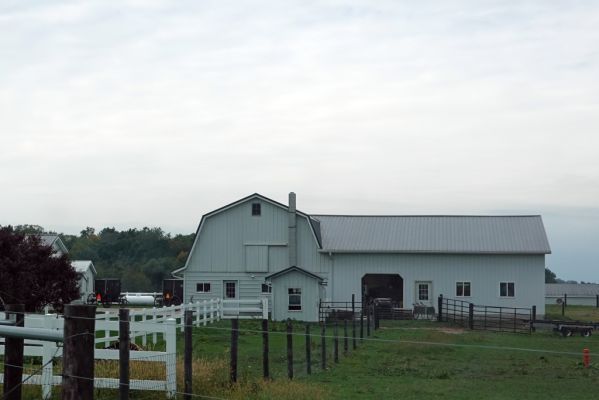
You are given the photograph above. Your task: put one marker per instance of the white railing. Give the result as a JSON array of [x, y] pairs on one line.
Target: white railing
[[49, 350], [146, 325]]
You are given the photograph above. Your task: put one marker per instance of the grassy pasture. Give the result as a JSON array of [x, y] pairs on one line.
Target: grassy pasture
[[572, 313], [407, 360]]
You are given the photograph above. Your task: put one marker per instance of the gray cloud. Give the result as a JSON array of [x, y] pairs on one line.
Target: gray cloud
[[153, 113]]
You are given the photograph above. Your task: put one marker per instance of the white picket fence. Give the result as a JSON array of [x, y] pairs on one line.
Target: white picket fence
[[146, 325]]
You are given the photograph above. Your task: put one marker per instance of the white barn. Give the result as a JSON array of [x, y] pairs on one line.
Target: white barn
[[259, 247]]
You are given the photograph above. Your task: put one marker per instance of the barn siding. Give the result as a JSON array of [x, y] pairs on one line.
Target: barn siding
[[224, 236], [248, 287], [484, 271]]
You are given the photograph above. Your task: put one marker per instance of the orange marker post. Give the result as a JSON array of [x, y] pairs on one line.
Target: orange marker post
[[586, 357]]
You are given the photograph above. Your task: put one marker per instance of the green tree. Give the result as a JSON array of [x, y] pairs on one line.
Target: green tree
[[32, 274], [550, 276]]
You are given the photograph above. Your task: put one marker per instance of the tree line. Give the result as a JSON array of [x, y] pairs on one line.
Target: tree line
[[141, 258]]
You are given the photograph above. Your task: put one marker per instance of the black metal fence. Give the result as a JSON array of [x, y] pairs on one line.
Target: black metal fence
[[341, 311], [489, 318], [379, 309]]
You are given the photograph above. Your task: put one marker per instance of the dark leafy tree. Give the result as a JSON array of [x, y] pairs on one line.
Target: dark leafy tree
[[32, 274], [550, 276]]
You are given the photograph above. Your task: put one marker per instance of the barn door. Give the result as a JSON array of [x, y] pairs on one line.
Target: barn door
[[424, 293]]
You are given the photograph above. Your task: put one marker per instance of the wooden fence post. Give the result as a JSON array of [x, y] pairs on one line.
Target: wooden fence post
[[289, 349], [124, 346], [361, 325], [335, 343], [440, 307], [78, 352], [345, 338], [368, 320], [13, 356], [323, 346], [534, 313], [376, 317], [353, 320], [565, 299], [308, 350], [471, 315], [563, 308], [234, 341], [597, 300], [187, 364], [265, 366]]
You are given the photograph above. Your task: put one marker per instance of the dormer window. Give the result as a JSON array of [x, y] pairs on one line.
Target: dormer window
[[256, 209]]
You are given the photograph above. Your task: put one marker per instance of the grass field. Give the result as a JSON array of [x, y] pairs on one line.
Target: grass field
[[573, 313], [404, 359]]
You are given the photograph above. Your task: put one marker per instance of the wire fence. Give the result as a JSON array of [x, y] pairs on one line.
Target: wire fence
[[324, 345]]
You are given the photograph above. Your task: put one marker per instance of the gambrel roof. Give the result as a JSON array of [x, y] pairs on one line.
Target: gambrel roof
[[433, 234]]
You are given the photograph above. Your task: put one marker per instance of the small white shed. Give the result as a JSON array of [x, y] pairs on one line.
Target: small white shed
[[87, 274], [296, 294]]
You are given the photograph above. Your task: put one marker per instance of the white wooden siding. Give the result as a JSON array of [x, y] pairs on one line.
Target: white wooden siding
[[256, 258], [484, 271]]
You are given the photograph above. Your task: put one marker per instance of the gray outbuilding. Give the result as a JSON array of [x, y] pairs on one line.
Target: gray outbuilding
[[583, 294]]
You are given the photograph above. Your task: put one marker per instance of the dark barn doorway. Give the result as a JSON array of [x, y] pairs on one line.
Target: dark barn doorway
[[382, 286]]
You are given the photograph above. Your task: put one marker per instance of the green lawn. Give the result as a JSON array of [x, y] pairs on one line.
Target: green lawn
[[405, 359], [574, 313]]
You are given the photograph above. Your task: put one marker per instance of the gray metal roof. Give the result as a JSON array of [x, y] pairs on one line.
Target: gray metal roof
[[571, 289], [434, 234], [292, 269], [83, 265]]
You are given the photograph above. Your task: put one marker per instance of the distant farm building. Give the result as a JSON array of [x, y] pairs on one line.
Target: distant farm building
[[584, 294], [259, 247]]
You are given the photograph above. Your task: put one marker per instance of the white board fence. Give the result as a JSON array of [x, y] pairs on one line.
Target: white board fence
[[146, 325]]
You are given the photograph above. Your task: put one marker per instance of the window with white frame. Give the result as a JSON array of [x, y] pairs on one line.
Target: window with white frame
[[462, 289], [203, 287], [266, 288], [295, 299], [507, 289], [423, 291]]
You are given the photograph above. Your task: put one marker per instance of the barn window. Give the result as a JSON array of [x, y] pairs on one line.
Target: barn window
[[203, 287], [462, 289], [256, 209], [506, 289], [423, 291], [295, 299], [266, 288]]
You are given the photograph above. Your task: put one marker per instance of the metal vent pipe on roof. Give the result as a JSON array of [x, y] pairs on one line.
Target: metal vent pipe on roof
[[292, 239]]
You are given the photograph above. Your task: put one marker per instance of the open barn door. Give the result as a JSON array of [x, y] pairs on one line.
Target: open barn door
[[383, 286]]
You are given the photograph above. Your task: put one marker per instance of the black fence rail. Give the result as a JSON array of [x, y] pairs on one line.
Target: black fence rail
[[379, 309], [341, 311], [489, 318]]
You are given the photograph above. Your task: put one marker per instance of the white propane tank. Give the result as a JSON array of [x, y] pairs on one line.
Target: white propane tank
[[139, 299]]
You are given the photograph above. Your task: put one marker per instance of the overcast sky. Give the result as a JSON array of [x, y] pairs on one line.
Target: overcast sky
[[152, 113]]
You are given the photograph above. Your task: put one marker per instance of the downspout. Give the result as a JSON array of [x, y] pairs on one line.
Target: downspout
[[292, 233]]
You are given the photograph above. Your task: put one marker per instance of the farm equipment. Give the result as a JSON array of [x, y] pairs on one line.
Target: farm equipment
[[172, 292], [107, 293], [569, 329]]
